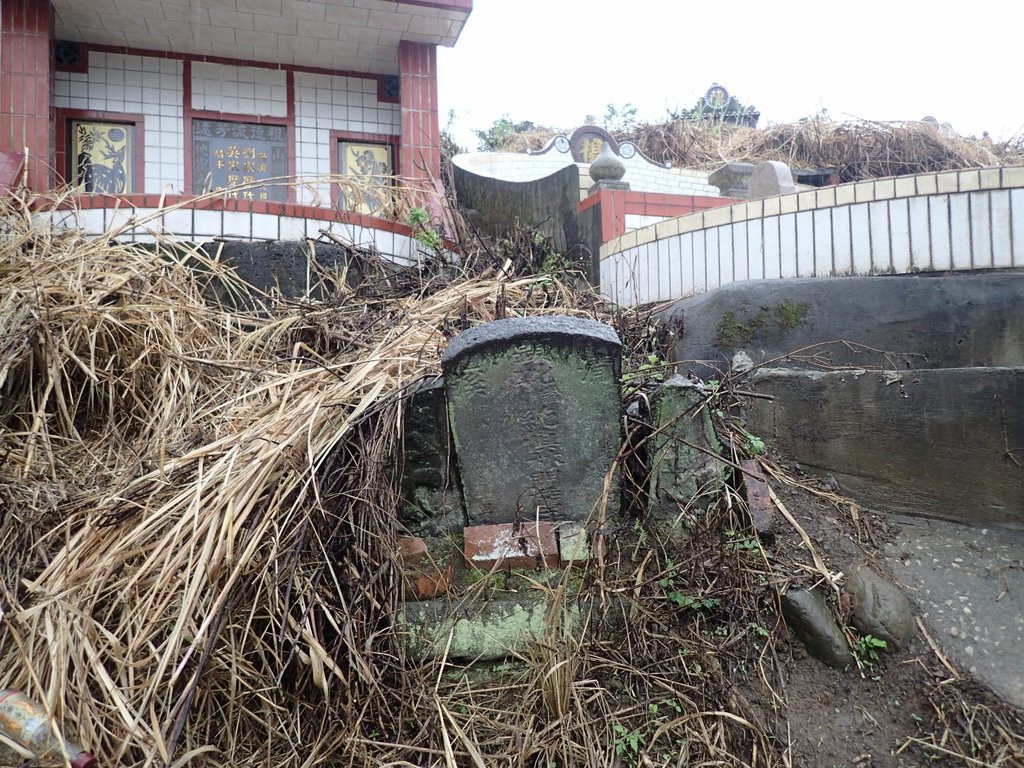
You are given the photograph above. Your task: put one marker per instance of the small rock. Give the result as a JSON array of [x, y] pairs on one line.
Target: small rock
[[809, 618], [411, 549], [429, 581], [879, 608], [741, 361], [573, 543]]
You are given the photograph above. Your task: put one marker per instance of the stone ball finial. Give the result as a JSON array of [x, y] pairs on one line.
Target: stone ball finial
[[607, 166]]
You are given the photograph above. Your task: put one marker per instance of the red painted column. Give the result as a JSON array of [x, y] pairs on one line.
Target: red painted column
[[420, 152], [26, 35]]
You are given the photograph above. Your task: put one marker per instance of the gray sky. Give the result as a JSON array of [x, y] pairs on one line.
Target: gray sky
[[555, 61]]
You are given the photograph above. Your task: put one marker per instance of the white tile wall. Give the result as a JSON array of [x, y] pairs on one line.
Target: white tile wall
[[881, 247], [755, 249], [198, 225], [240, 90], [328, 102], [1002, 245], [643, 176], [899, 237], [822, 242], [938, 221], [971, 226], [636, 221], [143, 85], [960, 230], [805, 243]]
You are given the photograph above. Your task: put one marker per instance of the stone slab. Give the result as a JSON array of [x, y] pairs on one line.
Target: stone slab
[[968, 585], [511, 545], [535, 409], [283, 266], [600, 186], [495, 630], [937, 443], [684, 475], [431, 499], [733, 179], [499, 206]]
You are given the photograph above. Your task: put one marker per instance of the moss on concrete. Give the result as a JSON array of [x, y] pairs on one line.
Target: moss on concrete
[[493, 630], [739, 328]]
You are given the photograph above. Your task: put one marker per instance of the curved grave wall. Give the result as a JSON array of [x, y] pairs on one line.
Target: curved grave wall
[[497, 206], [959, 220]]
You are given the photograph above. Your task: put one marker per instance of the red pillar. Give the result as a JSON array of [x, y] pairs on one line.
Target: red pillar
[[420, 153], [26, 34]]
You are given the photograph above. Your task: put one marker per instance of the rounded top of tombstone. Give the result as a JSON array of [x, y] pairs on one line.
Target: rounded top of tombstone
[[607, 166], [555, 330]]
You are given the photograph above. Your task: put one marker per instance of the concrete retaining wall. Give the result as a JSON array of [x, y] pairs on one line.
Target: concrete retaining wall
[[939, 443], [909, 390], [902, 322]]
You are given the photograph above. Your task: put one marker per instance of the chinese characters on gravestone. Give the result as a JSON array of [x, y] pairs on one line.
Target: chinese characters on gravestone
[[226, 155], [534, 404]]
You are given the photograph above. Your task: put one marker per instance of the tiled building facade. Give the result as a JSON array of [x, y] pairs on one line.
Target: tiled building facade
[[136, 98]]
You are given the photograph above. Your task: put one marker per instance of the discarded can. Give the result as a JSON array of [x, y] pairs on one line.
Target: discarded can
[[26, 723]]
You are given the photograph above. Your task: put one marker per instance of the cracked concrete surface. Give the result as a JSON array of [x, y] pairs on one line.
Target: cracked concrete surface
[[968, 585]]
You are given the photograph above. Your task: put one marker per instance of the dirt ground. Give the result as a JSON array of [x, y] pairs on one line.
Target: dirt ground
[[908, 708]]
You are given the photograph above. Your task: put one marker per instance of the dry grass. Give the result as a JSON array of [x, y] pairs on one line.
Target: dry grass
[[855, 150], [199, 501], [199, 526]]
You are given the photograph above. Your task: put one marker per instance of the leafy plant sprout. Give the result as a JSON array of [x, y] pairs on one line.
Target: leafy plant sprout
[[867, 651]]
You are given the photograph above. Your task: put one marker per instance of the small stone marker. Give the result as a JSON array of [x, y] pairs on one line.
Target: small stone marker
[[431, 500], [769, 179], [684, 470], [535, 416], [759, 499]]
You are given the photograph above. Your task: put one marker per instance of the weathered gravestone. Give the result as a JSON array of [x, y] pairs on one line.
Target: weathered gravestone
[[535, 416], [769, 179], [685, 473]]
